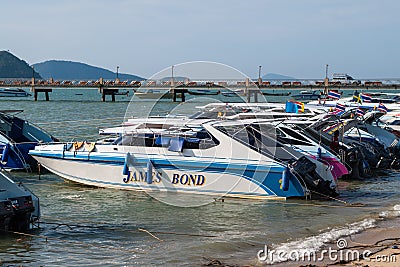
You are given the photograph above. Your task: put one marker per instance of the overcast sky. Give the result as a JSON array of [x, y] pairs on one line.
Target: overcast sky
[[290, 37]]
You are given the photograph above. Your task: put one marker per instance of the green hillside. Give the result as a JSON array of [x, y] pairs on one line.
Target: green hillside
[[68, 70], [13, 67]]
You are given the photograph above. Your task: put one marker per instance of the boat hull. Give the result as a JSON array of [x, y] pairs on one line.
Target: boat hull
[[9, 92], [192, 176], [155, 95]]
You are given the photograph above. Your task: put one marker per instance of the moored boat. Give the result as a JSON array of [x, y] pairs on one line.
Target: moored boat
[[204, 92], [154, 94], [19, 207], [198, 157], [13, 92], [17, 137], [307, 95]]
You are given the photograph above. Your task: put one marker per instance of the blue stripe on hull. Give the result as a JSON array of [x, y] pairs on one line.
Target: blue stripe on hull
[[267, 178]]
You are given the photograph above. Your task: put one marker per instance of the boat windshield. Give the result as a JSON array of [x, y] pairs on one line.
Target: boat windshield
[[259, 137], [189, 139]]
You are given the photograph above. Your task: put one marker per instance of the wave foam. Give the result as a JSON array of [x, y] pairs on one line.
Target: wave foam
[[392, 213], [315, 243]]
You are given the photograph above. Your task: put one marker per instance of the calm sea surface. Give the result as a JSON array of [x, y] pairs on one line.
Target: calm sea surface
[[83, 226]]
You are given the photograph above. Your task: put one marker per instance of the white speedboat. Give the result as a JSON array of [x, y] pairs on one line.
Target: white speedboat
[[198, 157], [258, 117], [13, 92], [389, 100]]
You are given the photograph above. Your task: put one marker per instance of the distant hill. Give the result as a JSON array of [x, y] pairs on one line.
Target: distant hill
[[275, 76], [177, 78], [13, 67], [69, 70]]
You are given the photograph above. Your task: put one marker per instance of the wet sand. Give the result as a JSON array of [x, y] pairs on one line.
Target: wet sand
[[380, 245]]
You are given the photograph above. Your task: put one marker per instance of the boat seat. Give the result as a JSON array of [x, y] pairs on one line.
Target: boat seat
[[176, 144], [192, 143], [162, 141]]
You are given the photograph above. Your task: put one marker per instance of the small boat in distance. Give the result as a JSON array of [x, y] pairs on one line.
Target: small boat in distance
[[307, 95], [154, 94], [276, 94], [203, 92], [13, 92]]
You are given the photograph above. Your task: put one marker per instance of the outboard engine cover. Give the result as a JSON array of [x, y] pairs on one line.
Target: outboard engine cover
[[307, 170], [22, 207], [6, 212]]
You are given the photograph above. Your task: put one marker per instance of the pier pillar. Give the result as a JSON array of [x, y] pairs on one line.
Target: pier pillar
[[173, 95], [183, 96], [108, 91], [326, 84], [255, 97], [247, 82], [46, 91]]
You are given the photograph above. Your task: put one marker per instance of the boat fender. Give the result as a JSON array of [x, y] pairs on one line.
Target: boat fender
[[4, 156], [78, 145], [125, 171], [285, 179], [68, 146], [149, 173], [89, 146]]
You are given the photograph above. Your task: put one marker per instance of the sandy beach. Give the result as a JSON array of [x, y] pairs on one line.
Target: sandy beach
[[380, 246]]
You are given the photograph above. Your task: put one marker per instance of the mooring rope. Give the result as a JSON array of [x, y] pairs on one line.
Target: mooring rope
[[63, 240], [105, 227]]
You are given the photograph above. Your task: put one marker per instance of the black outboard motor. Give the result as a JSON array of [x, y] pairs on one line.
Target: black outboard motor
[[307, 170], [6, 213], [22, 207]]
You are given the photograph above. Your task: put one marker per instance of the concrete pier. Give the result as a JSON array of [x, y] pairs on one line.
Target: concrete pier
[[182, 92], [108, 91], [46, 91], [180, 88]]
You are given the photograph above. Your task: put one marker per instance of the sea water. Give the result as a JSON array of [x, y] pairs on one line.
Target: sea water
[[85, 226]]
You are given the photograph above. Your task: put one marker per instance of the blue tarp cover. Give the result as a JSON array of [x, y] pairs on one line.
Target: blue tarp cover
[[176, 144]]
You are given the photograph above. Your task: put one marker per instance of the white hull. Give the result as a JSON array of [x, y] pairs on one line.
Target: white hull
[[167, 180]]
